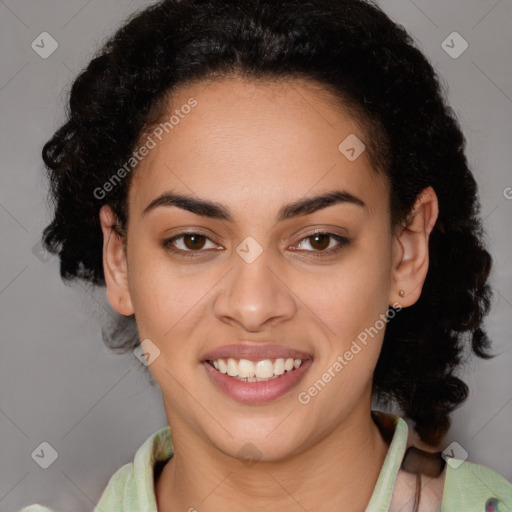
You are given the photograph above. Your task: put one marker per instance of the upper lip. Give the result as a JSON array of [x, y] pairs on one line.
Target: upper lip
[[254, 352]]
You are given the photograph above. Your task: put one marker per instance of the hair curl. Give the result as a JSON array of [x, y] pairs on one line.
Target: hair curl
[[372, 65]]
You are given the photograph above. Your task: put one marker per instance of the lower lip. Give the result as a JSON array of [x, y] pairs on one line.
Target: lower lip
[[257, 392]]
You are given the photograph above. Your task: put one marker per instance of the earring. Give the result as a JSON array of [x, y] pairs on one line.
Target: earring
[[401, 293]]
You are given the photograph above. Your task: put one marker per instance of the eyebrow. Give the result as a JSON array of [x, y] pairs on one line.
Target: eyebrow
[[215, 210]]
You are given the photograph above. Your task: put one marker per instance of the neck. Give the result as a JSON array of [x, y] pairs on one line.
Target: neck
[[340, 470]]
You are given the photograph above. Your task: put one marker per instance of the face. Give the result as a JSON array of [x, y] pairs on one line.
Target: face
[[266, 264]]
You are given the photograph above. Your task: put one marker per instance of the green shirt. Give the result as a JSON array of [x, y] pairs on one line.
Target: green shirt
[[468, 487]]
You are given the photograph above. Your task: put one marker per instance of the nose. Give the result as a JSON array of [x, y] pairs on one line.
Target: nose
[[255, 295]]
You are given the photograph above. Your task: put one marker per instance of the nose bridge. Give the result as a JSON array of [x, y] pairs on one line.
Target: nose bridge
[[255, 293]]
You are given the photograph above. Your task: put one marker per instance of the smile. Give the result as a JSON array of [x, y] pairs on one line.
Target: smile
[[256, 382], [255, 371]]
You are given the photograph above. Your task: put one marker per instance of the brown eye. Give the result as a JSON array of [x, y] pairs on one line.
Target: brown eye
[[320, 241], [188, 244], [194, 241], [323, 244]]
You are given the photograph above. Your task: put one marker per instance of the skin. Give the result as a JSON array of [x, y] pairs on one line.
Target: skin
[[254, 148]]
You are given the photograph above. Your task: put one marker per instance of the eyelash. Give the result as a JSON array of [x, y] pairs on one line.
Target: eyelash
[[343, 241]]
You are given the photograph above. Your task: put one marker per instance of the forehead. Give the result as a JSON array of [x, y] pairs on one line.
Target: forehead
[[244, 141]]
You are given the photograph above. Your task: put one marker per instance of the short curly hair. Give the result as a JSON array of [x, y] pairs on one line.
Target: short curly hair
[[372, 65]]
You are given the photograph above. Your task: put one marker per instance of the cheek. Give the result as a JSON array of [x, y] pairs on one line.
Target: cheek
[[171, 303], [356, 292], [165, 303], [160, 295]]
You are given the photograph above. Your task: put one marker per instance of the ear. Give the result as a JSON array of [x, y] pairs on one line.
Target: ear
[[114, 264], [410, 249]]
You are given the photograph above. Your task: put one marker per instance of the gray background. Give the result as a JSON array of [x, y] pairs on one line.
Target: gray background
[[60, 384]]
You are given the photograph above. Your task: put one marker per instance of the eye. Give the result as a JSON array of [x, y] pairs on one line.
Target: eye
[[192, 244], [324, 243], [189, 242]]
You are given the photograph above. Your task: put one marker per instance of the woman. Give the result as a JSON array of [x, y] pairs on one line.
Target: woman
[[276, 195]]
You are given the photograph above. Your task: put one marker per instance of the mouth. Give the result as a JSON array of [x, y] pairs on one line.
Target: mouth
[[256, 381]]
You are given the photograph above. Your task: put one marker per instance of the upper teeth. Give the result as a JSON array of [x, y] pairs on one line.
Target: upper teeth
[[261, 369]]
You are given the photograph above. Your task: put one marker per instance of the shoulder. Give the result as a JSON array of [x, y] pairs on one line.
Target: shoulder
[[447, 484], [131, 487], [113, 495], [473, 487]]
